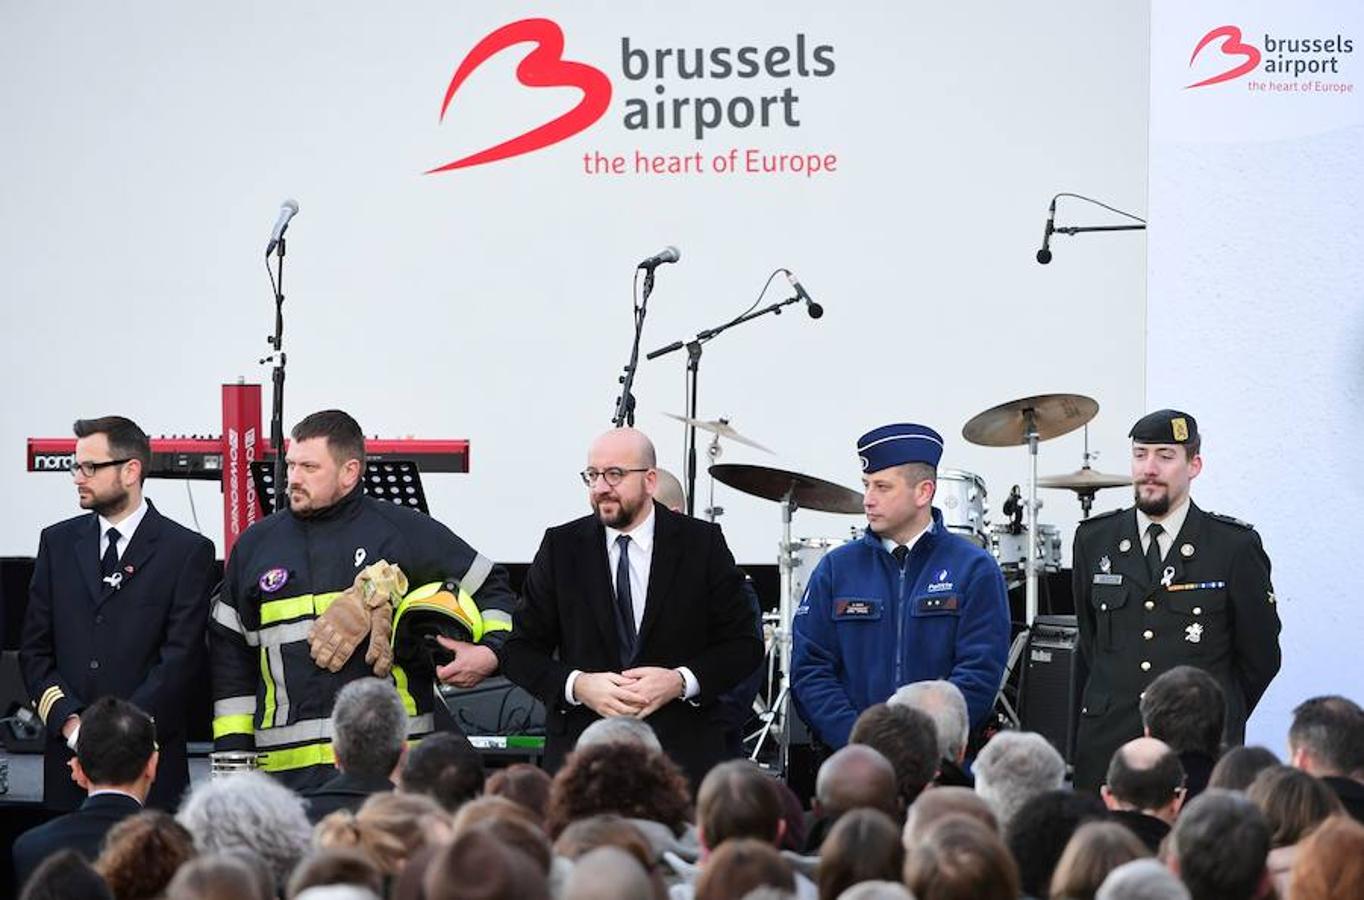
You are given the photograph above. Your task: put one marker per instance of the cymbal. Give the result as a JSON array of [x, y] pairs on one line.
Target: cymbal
[[1053, 414], [1084, 481], [720, 427], [807, 491]]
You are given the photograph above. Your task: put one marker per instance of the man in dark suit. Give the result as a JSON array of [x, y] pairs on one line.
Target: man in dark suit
[[369, 737], [117, 606], [644, 608], [1163, 584], [115, 762], [1326, 740]]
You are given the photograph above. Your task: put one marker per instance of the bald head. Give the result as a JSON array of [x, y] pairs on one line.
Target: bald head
[[940, 802], [621, 478], [624, 446], [854, 777], [1145, 774], [670, 492]]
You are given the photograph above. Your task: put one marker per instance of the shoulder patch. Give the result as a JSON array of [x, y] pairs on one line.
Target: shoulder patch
[[1096, 517], [1232, 520]]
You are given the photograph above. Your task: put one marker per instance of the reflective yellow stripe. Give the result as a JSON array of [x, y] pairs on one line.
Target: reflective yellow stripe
[[267, 716], [225, 725], [294, 607], [496, 620], [400, 682], [298, 758]]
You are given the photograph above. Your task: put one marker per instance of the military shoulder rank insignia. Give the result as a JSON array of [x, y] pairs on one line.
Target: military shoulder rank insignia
[[1231, 520]]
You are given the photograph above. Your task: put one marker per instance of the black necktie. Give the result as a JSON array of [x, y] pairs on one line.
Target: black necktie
[[1153, 550], [625, 604], [900, 552], [109, 564]]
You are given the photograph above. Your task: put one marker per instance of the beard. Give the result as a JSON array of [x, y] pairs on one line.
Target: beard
[[624, 514], [1153, 506], [107, 505]]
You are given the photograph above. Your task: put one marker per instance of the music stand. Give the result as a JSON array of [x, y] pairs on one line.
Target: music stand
[[397, 481]]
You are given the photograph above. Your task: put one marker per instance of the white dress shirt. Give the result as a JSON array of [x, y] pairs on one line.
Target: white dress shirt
[[891, 545], [126, 527], [1172, 523]]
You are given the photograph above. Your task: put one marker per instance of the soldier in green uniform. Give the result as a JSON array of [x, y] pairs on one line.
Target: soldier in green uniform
[[1163, 584]]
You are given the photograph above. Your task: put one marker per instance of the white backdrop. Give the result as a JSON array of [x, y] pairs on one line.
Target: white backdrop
[[149, 145], [1255, 320]]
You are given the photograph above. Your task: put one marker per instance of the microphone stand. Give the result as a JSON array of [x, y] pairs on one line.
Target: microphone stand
[[693, 374], [625, 403], [278, 357]]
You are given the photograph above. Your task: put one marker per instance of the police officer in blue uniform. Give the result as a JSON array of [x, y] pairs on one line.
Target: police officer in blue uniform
[[1162, 584], [909, 601]]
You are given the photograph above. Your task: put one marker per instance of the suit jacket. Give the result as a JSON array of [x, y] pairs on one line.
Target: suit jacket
[[142, 641], [82, 831], [343, 791], [695, 615], [1217, 613]]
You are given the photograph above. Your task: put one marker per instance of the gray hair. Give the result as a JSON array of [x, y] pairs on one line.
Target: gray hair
[[1142, 879], [619, 730], [251, 812], [943, 702], [369, 726], [1014, 767], [1220, 841], [876, 890]]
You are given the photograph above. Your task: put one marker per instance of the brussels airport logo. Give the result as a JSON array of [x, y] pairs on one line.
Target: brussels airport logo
[[1298, 64], [545, 66]]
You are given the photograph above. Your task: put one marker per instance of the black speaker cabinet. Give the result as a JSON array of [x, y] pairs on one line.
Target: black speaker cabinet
[[1048, 692]]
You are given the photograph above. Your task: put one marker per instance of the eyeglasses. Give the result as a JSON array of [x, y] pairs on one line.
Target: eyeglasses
[[88, 469], [613, 475]]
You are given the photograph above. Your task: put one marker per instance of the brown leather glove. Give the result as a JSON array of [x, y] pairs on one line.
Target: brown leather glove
[[386, 587], [336, 633]]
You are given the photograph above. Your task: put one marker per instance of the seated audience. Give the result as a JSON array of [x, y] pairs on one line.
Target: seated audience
[[445, 767], [142, 854], [864, 845], [1326, 739], [908, 739], [523, 836], [943, 702], [609, 830], [619, 730], [608, 873], [524, 784], [1142, 879], [478, 866], [1014, 767], [1144, 789], [1186, 708], [220, 876], [115, 763], [1330, 863], [1238, 767], [1095, 849], [1218, 847], [739, 866], [387, 829], [876, 890], [489, 809], [940, 803], [854, 777], [249, 811], [1038, 833], [334, 866], [958, 858], [1294, 804], [65, 875], [370, 735]]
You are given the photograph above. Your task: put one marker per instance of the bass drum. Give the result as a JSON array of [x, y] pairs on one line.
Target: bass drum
[[1011, 550], [961, 500], [805, 555]]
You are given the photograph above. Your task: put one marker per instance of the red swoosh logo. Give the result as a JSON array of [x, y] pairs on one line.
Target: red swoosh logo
[[543, 67], [1231, 47]]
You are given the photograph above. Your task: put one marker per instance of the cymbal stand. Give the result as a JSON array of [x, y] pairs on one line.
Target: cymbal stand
[[1086, 497], [1034, 545], [775, 716], [714, 451]]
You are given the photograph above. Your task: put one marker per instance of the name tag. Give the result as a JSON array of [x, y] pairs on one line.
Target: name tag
[[1103, 578], [856, 608]]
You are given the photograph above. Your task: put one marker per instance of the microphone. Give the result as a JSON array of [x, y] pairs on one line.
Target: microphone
[[287, 211], [813, 308], [668, 255], [1044, 255]]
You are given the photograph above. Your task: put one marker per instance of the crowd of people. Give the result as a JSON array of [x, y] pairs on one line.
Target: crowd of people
[[898, 812]]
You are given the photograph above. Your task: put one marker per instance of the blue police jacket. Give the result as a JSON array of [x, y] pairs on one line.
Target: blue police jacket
[[866, 625]]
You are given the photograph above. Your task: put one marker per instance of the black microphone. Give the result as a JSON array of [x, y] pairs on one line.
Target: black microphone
[[668, 255], [813, 308], [1044, 255], [287, 211]]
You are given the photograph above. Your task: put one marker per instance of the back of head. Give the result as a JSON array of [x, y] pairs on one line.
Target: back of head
[[669, 491], [1327, 737], [250, 811], [1038, 833], [216, 876], [1293, 803], [1142, 879], [388, 828], [619, 730], [1238, 767], [521, 835], [1014, 767], [523, 784], [943, 702], [490, 809], [737, 800], [445, 767], [607, 830], [1095, 849], [864, 845], [621, 778], [1186, 708], [62, 876], [115, 743], [739, 866], [877, 890], [335, 866], [1330, 863], [856, 776], [607, 873], [942, 802], [958, 858], [1220, 842], [478, 866], [370, 728], [907, 738], [1145, 774], [143, 852]]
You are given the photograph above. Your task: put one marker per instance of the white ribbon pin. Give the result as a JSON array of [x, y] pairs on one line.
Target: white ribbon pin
[[1167, 576], [114, 581]]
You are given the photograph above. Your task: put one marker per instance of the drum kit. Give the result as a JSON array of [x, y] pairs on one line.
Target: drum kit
[[1022, 546]]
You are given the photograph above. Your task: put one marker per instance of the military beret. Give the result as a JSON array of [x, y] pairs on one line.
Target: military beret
[[1165, 426], [894, 445]]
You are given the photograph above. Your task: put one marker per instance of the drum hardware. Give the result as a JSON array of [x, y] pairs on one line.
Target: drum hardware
[[223, 763], [717, 428], [1085, 481], [960, 497]]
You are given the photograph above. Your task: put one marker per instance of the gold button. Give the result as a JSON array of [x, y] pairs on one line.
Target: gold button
[[1145, 666], [1150, 604], [1148, 634], [1198, 610], [1103, 606]]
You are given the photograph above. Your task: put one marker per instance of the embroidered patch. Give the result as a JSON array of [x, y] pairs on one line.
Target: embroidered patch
[[273, 579], [940, 583]]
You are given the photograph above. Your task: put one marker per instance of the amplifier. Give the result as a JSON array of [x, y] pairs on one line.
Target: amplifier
[[1047, 693]]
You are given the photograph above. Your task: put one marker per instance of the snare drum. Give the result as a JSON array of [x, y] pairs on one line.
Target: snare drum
[[805, 555], [961, 499], [1011, 550]]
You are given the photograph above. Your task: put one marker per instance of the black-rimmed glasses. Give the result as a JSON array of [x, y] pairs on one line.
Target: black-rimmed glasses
[[88, 469], [613, 475]]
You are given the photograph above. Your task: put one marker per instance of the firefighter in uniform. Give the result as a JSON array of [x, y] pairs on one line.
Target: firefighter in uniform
[[1162, 584], [311, 596]]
